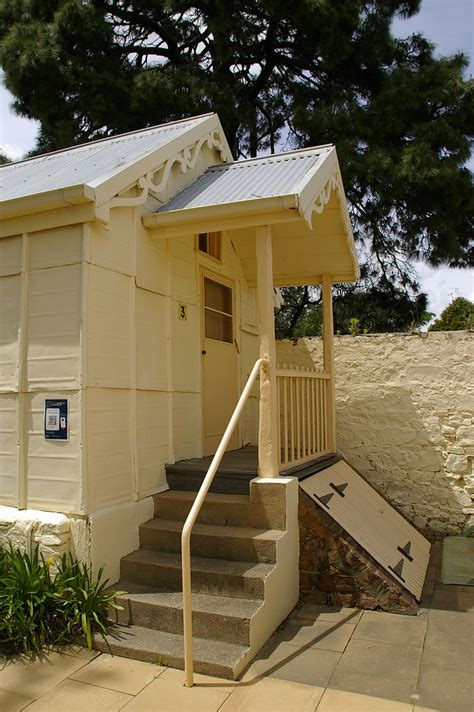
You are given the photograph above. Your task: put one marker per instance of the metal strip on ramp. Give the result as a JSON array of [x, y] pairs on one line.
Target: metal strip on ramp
[[369, 519]]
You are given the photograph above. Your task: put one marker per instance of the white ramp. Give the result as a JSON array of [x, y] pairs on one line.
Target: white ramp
[[369, 519]]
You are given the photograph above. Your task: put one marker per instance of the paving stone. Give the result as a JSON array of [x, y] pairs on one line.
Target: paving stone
[[316, 612], [446, 690], [33, 678], [265, 694], [73, 696], [449, 653], [453, 598], [377, 687], [450, 624], [167, 693], [341, 701], [384, 660], [320, 634], [121, 674], [391, 628], [308, 666], [11, 702]]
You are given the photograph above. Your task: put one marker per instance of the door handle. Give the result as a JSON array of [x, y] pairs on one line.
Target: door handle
[[204, 352]]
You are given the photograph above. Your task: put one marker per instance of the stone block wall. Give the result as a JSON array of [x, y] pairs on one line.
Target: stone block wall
[[53, 533], [405, 418]]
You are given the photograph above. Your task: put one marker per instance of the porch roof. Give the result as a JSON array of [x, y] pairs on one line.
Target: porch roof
[[299, 193]]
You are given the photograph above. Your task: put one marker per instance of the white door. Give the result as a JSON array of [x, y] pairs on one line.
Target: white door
[[219, 359]]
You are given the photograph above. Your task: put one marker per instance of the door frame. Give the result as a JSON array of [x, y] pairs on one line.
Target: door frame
[[232, 284]]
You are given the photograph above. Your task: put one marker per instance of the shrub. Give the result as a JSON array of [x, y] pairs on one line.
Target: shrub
[[49, 602]]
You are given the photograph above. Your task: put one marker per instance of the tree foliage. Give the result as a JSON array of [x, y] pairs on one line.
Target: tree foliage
[[457, 315], [278, 73], [375, 310]]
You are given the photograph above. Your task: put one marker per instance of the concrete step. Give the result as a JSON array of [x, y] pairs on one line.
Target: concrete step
[[215, 541], [214, 617], [224, 482], [223, 509], [211, 657], [239, 579]]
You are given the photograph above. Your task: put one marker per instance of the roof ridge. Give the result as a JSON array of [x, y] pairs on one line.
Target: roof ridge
[[87, 144]]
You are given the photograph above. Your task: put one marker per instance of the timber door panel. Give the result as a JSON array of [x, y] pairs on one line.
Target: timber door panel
[[219, 357]]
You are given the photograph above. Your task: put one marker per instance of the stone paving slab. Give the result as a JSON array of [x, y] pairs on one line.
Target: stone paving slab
[[12, 702], [449, 654], [73, 696], [340, 701], [316, 612], [391, 628], [167, 692], [268, 694], [446, 690], [388, 689], [319, 634], [305, 665], [119, 674], [32, 678], [383, 660]]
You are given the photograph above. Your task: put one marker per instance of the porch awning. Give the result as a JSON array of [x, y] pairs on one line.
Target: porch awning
[[300, 194]]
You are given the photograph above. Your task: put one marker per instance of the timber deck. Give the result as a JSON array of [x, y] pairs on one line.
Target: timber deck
[[236, 470]]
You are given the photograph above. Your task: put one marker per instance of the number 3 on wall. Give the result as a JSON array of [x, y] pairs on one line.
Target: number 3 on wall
[[182, 312]]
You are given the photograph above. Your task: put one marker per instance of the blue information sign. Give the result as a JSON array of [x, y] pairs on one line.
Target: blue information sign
[[55, 419]]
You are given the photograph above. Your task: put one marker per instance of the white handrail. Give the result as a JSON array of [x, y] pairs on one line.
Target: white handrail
[[191, 518]]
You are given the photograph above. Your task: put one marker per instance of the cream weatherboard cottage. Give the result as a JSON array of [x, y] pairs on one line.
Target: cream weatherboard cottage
[[137, 291]]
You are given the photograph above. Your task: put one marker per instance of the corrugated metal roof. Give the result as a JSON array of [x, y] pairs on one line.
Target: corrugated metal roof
[[244, 180], [368, 518], [87, 164]]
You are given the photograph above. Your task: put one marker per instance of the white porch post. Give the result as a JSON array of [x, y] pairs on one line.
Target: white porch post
[[328, 359], [268, 460]]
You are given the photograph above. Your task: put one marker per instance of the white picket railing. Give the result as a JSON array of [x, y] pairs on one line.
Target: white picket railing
[[303, 396]]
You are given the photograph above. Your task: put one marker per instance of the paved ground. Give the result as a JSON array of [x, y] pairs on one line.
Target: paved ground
[[322, 659]]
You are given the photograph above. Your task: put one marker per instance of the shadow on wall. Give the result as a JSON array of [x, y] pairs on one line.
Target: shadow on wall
[[403, 420]]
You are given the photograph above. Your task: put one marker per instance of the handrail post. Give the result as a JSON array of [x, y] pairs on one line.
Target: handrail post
[[193, 515]]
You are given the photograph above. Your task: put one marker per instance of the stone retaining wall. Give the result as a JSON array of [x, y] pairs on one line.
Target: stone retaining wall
[[405, 406], [54, 533]]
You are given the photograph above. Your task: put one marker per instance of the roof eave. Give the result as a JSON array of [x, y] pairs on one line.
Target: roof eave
[[49, 200], [187, 218]]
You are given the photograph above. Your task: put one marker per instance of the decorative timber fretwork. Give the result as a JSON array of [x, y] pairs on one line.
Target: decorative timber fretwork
[[322, 199], [324, 196], [156, 181]]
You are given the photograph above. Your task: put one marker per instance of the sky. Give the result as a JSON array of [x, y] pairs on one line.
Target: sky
[[449, 24]]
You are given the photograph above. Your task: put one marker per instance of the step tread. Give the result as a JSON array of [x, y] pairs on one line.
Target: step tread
[[219, 530], [243, 608], [218, 497], [146, 643], [246, 569]]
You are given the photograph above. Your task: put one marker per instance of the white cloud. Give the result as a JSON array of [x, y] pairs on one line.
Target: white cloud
[[13, 152], [444, 284]]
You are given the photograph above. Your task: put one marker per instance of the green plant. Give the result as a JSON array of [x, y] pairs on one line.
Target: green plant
[[46, 602], [85, 600], [354, 326]]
